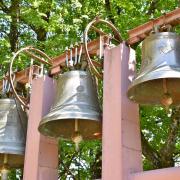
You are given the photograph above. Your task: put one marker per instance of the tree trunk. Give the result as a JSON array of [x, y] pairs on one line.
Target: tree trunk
[[164, 157], [13, 35]]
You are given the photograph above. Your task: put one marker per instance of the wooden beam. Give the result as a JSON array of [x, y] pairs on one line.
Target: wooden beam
[[135, 35], [141, 32], [158, 174], [22, 76]]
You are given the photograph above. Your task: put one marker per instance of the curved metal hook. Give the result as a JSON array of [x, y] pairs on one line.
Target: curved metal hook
[[32, 55], [94, 22]]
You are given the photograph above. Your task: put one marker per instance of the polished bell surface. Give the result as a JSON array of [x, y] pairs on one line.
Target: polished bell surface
[[159, 76], [12, 133], [75, 108]]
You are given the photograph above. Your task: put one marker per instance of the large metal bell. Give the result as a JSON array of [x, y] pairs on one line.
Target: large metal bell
[[75, 108], [12, 133], [158, 81]]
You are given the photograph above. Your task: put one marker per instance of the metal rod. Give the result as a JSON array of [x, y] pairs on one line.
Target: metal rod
[[36, 57], [80, 53], [3, 86], [26, 50], [71, 55], [67, 62], [103, 33], [42, 70], [76, 46], [31, 71], [100, 46]]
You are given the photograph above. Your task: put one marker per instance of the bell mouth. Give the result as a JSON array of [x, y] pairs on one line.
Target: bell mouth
[[65, 128], [151, 92]]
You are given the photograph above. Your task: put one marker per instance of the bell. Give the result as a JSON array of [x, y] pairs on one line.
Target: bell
[[13, 125], [158, 81], [75, 111]]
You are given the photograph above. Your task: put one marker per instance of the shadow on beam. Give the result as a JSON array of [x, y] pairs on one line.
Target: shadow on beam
[[160, 174]]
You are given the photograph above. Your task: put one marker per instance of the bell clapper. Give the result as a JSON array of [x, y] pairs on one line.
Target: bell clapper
[[5, 161], [77, 138], [166, 99], [5, 169], [80, 51], [4, 173]]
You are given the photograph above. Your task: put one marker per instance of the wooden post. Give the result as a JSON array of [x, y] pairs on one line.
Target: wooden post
[[158, 174], [41, 157], [121, 130]]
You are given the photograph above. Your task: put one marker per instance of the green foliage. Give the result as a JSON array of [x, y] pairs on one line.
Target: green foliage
[[52, 25], [82, 164], [15, 174], [155, 124]]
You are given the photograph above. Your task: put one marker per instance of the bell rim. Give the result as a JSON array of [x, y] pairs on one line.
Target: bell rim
[[132, 88], [140, 80], [44, 122]]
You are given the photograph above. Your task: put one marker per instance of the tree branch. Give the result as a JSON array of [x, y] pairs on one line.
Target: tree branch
[[14, 34], [108, 9], [95, 170], [67, 166], [40, 31], [151, 154], [167, 151], [3, 7], [67, 170], [152, 7]]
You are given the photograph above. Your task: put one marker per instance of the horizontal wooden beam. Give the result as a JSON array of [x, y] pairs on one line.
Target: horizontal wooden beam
[[23, 76], [135, 35], [159, 174], [141, 32], [59, 61]]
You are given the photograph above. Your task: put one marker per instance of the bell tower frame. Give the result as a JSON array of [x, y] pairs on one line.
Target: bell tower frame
[[121, 130]]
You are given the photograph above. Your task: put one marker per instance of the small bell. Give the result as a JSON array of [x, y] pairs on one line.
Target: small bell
[[12, 134]]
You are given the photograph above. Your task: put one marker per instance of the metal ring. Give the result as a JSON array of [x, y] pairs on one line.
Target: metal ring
[[11, 71], [94, 22]]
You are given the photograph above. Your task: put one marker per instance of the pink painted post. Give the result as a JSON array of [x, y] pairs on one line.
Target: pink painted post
[[41, 157], [121, 131]]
